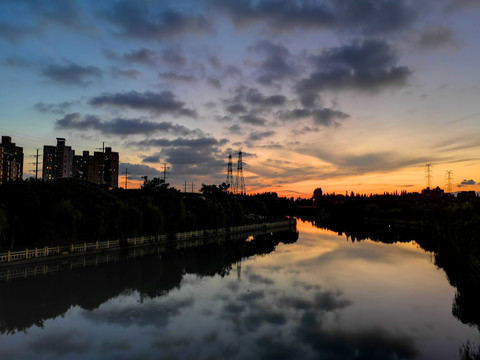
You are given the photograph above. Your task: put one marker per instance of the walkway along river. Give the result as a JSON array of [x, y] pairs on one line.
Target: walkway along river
[[178, 241]]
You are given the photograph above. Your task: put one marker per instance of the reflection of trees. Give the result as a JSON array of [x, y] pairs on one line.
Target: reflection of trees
[[30, 301], [453, 253]]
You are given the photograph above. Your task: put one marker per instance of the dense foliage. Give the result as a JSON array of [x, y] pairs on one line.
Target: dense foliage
[[35, 213]]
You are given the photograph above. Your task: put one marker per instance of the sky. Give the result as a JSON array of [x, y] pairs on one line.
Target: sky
[[346, 95]]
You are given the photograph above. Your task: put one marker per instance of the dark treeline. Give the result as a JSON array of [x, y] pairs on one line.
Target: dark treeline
[[441, 215], [32, 300], [37, 214]]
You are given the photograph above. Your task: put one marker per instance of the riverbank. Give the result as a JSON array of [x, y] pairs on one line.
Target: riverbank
[[177, 241]]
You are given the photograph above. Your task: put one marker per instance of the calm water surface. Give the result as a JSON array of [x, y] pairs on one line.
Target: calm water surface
[[321, 297]]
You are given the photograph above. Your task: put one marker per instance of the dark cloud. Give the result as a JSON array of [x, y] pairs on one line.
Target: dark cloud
[[215, 62], [468, 182], [253, 120], [260, 135], [323, 116], [362, 163], [259, 279], [198, 156], [137, 171], [375, 343], [233, 71], [368, 65], [236, 108], [142, 56], [129, 73], [60, 108], [173, 57], [151, 159], [235, 129], [61, 344], [14, 33], [17, 62], [253, 97], [329, 301], [434, 37], [203, 142], [163, 102], [170, 76], [214, 82], [278, 63], [461, 4], [72, 74], [143, 21], [226, 69], [31, 18], [360, 16], [280, 15], [375, 17], [118, 126], [156, 314], [255, 319], [257, 101]]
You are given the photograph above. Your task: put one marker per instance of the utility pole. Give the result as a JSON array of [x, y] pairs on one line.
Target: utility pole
[[193, 187], [36, 164], [185, 188], [165, 172], [126, 178], [102, 167]]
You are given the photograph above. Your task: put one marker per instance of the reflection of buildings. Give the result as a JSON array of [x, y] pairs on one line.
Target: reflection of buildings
[[11, 160], [60, 162]]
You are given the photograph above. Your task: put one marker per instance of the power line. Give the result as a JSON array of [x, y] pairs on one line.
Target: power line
[[36, 163]]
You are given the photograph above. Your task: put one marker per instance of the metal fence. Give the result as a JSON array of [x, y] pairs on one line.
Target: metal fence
[[26, 254]]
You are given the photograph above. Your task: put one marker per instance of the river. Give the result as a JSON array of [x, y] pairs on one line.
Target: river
[[318, 296]]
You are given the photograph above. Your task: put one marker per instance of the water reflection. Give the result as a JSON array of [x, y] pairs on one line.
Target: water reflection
[[460, 263], [320, 297], [46, 297]]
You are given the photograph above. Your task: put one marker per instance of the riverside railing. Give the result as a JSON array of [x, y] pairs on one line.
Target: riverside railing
[[47, 251]]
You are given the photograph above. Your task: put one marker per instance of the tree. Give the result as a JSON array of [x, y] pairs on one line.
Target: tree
[[154, 185]]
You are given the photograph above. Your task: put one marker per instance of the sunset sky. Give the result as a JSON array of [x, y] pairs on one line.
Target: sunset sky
[[346, 95]]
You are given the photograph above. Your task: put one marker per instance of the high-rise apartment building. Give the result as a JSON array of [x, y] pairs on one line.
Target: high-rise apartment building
[[57, 161], [11, 160], [61, 162]]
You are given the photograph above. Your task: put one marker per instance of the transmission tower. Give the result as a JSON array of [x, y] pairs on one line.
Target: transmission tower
[[449, 181], [229, 180], [428, 175], [239, 187]]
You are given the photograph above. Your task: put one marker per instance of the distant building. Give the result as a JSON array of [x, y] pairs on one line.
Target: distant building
[[57, 161], [61, 162], [11, 160], [111, 162]]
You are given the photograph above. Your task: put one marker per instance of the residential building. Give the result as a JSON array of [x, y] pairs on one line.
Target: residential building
[[61, 162], [57, 161], [11, 160]]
